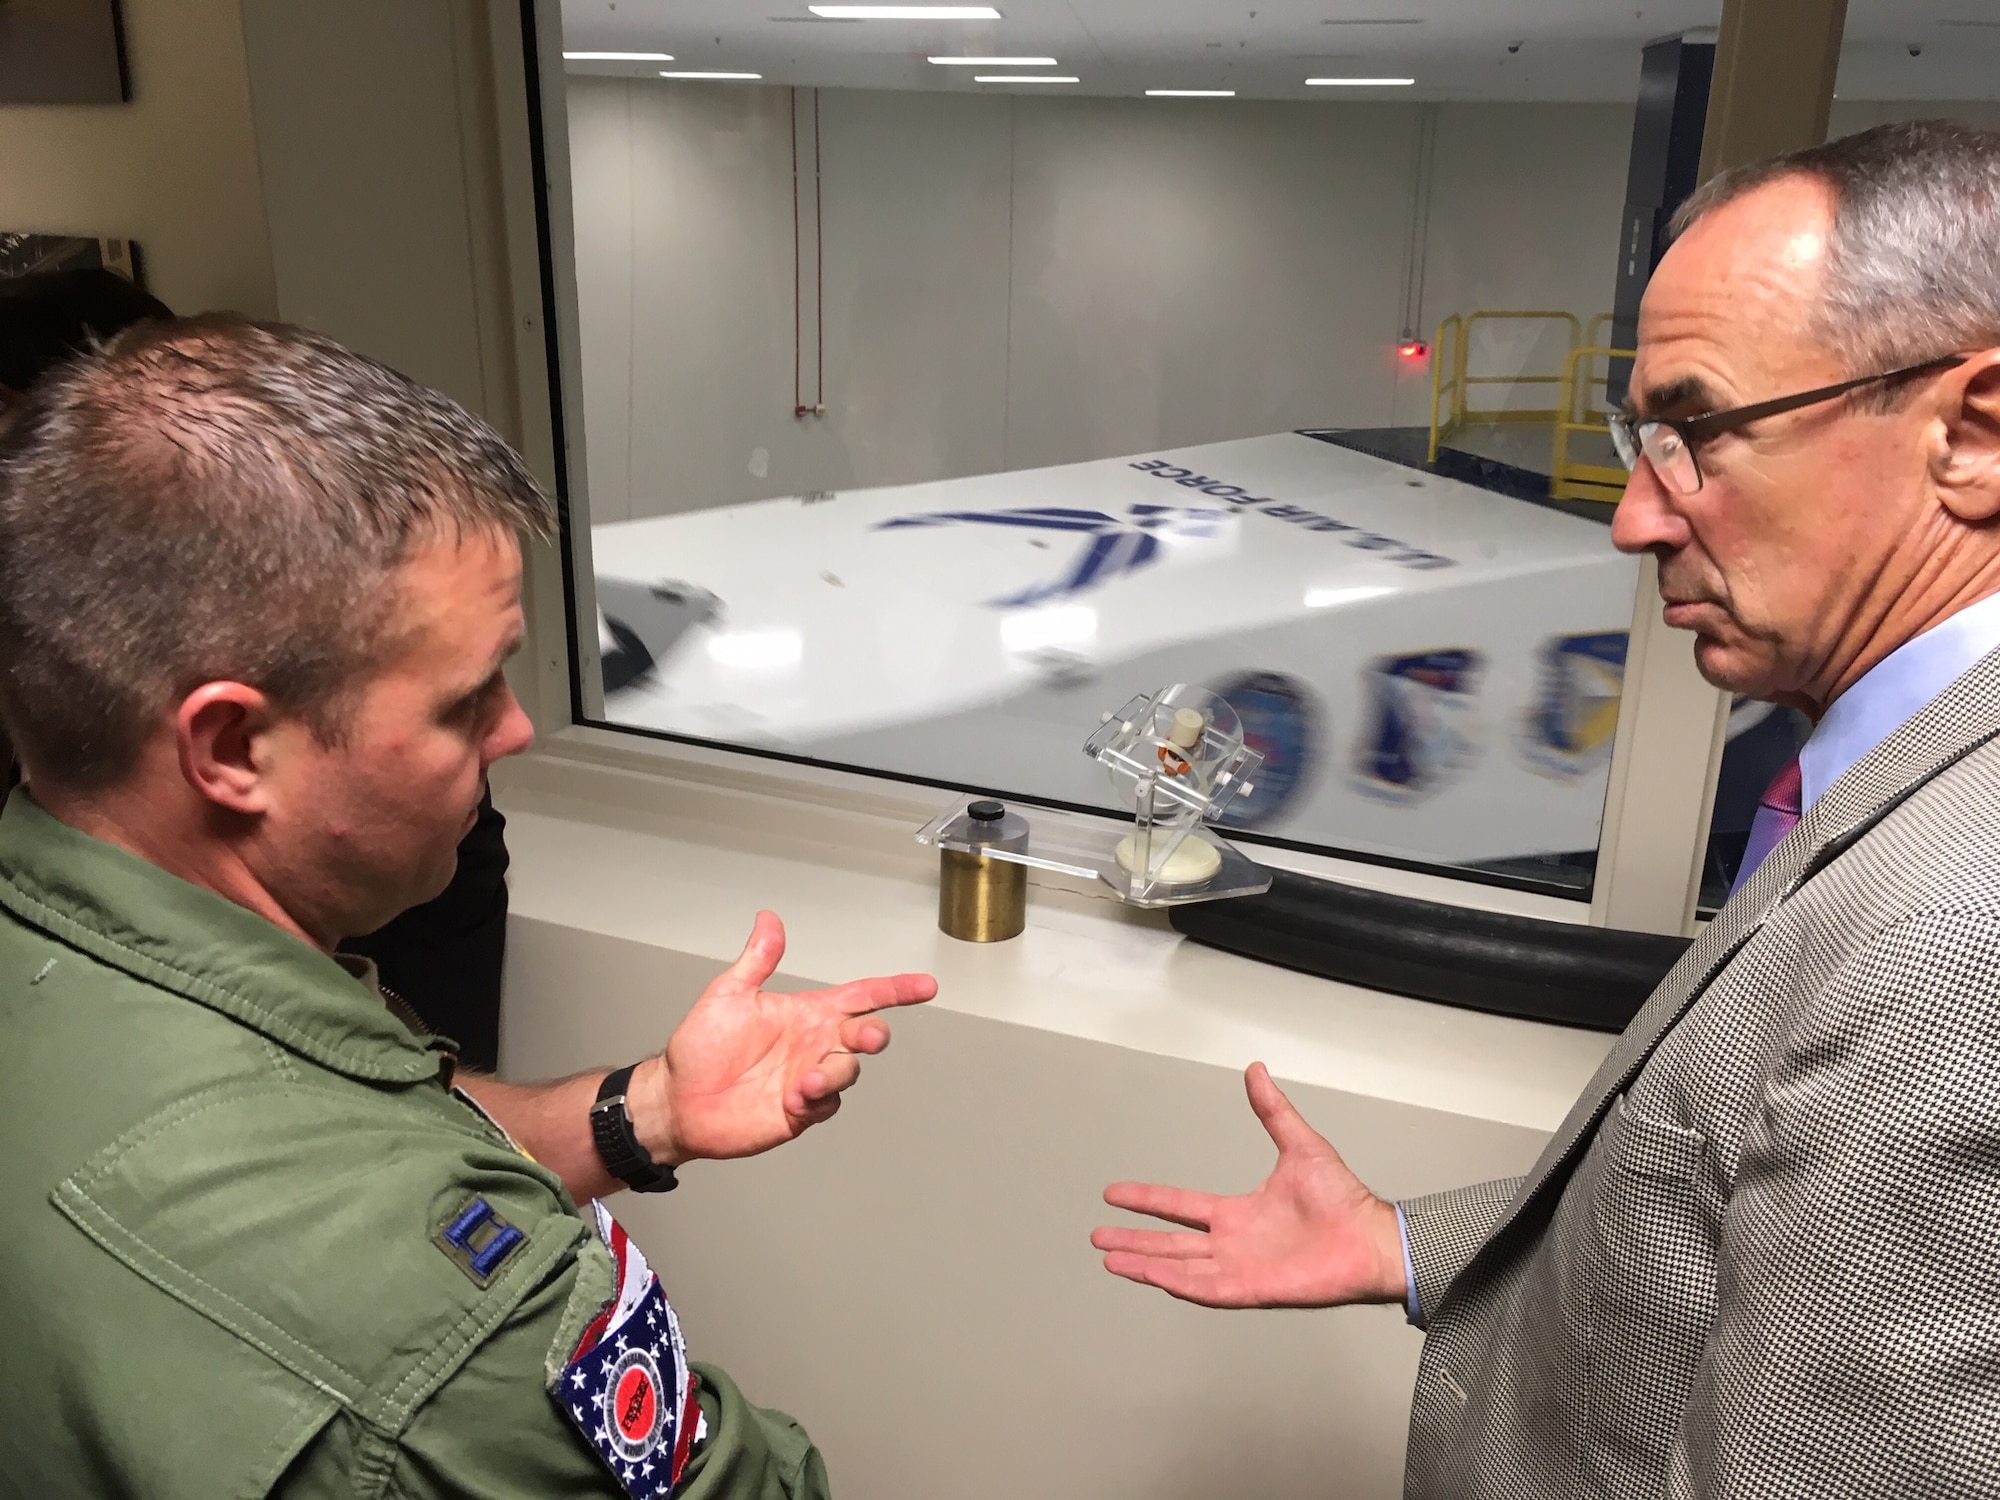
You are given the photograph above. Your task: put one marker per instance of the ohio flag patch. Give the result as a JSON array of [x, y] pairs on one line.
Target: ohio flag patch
[[627, 1387]]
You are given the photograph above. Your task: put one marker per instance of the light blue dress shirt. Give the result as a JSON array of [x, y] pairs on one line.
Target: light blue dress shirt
[[1892, 691], [1887, 697]]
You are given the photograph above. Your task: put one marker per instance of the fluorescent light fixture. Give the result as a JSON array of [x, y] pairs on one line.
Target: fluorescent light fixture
[[758, 650], [994, 62], [905, 12], [1009, 78], [711, 75], [1333, 598], [1190, 93], [618, 56], [1359, 83]]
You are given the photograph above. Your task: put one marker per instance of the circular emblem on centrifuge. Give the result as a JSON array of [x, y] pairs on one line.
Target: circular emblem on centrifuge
[[1281, 722], [635, 1406]]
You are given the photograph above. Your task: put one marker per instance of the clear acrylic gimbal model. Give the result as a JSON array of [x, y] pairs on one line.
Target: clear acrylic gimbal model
[[1177, 758]]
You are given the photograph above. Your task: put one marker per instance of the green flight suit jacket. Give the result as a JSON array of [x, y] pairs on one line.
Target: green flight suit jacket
[[222, 1165]]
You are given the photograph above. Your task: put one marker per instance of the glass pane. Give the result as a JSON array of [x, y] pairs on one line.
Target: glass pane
[[926, 418], [1897, 62]]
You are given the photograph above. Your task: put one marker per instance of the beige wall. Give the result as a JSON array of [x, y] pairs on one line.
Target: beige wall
[[385, 221], [1014, 282], [175, 169], [915, 1281]]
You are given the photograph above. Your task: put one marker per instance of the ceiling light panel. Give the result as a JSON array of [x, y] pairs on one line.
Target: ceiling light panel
[[710, 74], [1007, 78], [1359, 83], [1190, 93], [994, 62], [905, 12], [635, 57]]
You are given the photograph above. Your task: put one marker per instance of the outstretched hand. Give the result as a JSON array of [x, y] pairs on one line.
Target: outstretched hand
[[1309, 1235], [750, 1068]]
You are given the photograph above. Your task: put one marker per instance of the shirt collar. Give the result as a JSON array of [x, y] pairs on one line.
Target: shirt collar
[[1891, 692], [135, 916]]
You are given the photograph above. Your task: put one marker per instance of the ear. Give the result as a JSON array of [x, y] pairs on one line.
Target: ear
[[224, 732], [1966, 469]]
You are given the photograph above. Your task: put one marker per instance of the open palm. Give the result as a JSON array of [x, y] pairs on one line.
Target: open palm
[[1309, 1235], [750, 1068]]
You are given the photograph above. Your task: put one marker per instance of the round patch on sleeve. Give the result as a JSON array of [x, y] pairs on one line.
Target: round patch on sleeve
[[637, 1413]]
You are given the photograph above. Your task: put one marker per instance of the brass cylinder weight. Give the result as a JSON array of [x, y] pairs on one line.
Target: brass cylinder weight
[[982, 899]]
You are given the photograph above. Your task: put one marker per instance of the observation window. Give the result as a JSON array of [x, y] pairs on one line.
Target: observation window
[[923, 408]]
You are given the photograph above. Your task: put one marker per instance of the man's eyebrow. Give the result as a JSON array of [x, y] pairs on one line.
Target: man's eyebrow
[[1687, 391], [495, 668]]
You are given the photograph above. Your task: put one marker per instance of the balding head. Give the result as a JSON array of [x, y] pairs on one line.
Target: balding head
[[1911, 265]]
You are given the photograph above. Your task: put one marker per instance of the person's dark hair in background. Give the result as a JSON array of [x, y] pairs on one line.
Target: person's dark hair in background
[[443, 957], [47, 317]]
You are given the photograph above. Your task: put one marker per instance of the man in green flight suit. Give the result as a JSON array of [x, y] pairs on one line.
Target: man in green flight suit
[[256, 593]]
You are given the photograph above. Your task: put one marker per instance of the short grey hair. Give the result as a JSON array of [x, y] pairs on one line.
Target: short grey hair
[[1913, 268], [215, 499]]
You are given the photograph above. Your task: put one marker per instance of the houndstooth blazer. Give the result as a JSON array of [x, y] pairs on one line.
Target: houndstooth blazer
[[1762, 1254]]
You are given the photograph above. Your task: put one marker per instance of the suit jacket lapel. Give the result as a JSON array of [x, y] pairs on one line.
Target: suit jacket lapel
[[1954, 724]]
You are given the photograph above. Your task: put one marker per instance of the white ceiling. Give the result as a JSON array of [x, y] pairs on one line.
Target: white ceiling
[[1456, 49]]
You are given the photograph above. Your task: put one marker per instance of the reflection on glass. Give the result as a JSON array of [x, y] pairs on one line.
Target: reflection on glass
[[924, 417]]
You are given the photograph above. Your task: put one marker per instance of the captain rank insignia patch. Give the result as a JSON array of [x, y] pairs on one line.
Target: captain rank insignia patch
[[627, 1388]]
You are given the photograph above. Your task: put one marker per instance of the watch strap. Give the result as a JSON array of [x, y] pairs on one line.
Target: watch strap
[[618, 1145]]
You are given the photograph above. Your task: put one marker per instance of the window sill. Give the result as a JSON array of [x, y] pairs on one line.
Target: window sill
[[679, 851]]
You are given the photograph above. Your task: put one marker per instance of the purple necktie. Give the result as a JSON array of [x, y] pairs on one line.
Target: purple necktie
[[1777, 814]]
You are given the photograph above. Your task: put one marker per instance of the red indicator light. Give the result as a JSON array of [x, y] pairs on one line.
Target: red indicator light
[[1413, 349]]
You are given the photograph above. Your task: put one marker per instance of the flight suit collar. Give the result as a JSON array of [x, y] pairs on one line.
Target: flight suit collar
[[135, 916]]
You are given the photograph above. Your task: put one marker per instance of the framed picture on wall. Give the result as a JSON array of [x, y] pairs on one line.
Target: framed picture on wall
[[62, 52], [25, 254]]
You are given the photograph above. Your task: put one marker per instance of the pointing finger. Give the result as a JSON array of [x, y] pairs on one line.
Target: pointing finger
[[860, 996]]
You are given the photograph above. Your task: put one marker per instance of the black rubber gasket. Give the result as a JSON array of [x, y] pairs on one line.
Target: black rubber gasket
[[1567, 973]]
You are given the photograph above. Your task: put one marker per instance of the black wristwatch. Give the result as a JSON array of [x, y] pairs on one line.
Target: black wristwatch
[[618, 1146]]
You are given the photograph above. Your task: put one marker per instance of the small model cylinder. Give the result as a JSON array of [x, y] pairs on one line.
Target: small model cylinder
[[982, 899]]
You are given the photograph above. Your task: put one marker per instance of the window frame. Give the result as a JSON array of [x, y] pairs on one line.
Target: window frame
[[1666, 753]]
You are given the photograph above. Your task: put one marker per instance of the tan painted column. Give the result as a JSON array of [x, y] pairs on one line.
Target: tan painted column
[[1773, 89], [1774, 69]]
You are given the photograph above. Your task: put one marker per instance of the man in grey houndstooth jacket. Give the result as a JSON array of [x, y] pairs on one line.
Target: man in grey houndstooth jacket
[[1762, 1254]]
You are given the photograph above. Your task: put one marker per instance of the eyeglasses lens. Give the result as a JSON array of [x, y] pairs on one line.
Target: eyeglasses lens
[[1624, 441], [1672, 459]]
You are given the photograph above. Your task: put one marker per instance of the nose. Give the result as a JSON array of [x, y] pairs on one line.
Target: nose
[[1647, 517], [512, 733]]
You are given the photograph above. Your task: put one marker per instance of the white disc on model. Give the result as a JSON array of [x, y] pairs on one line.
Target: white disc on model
[[1193, 862]]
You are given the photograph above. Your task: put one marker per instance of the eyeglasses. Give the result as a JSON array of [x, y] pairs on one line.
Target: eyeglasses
[[1669, 444]]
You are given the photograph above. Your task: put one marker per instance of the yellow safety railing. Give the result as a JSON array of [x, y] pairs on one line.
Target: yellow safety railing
[[1443, 386], [1458, 384], [1577, 479]]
